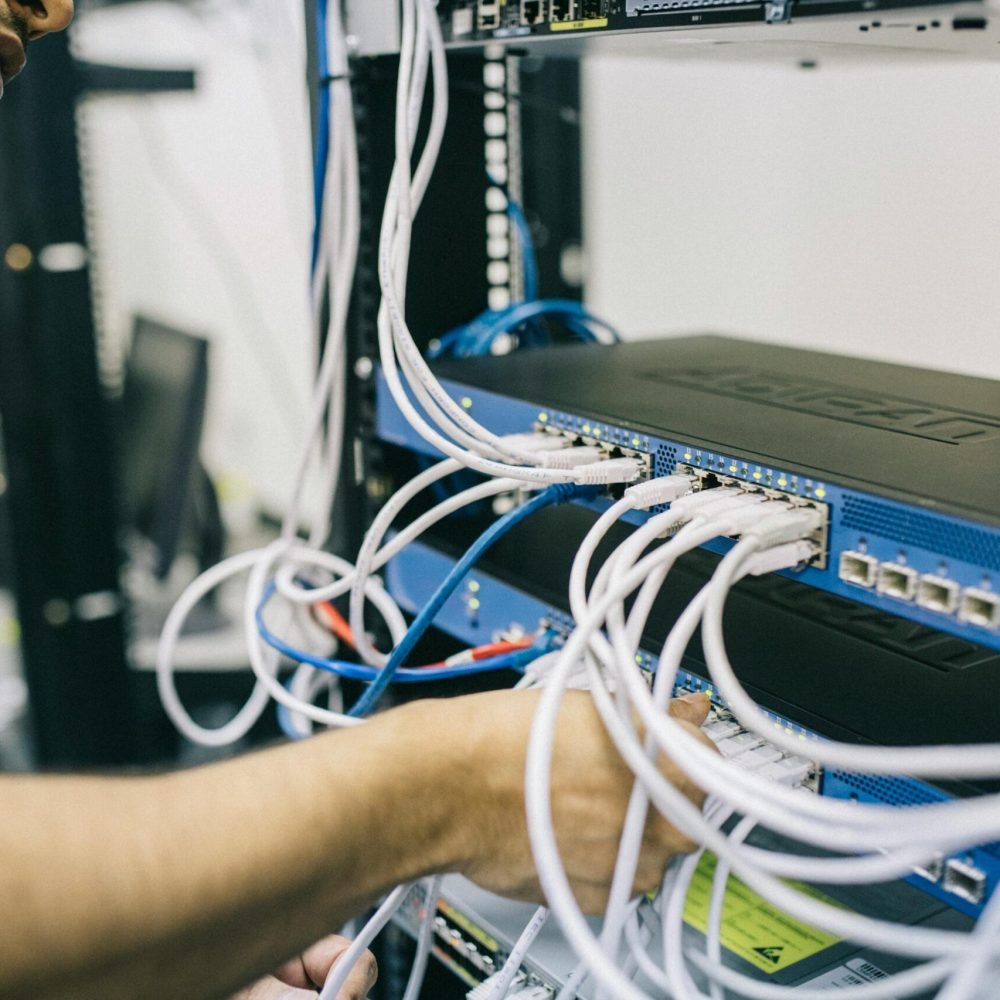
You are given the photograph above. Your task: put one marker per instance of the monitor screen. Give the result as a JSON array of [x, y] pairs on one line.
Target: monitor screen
[[163, 485]]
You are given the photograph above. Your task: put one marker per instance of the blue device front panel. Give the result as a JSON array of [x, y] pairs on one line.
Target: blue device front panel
[[486, 609], [949, 564]]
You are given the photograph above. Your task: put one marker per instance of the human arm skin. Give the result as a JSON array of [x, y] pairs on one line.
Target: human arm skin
[[192, 884]]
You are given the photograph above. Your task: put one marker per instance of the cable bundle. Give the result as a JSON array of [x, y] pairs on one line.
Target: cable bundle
[[869, 843]]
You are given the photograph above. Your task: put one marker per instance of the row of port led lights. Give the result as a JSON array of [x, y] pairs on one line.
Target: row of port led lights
[[756, 474], [687, 682], [974, 605], [674, 4], [577, 425]]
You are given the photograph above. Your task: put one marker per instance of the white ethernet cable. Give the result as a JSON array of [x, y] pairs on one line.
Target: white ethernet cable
[[339, 236], [405, 194], [500, 983], [340, 229], [977, 761], [307, 684], [950, 945], [339, 973], [338, 244], [425, 936], [299, 594]]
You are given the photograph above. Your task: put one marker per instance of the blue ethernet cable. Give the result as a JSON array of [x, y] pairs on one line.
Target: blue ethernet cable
[[404, 675], [552, 495], [521, 312], [475, 338], [322, 126], [529, 256], [285, 724]]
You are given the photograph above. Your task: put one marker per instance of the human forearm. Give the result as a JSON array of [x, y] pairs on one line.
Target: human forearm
[[191, 884]]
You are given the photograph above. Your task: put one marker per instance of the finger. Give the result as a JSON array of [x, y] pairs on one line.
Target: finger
[[317, 961], [273, 989], [312, 966], [691, 708]]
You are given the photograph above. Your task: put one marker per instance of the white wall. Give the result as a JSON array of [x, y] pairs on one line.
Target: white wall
[[201, 208], [854, 208]]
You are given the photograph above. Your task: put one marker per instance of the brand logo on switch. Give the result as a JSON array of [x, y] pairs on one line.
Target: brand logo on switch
[[837, 402]]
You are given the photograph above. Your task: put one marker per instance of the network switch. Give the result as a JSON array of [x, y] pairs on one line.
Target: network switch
[[475, 931], [786, 31], [901, 459], [466, 21]]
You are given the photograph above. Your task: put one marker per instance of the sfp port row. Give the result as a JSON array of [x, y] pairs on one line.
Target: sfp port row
[[931, 591]]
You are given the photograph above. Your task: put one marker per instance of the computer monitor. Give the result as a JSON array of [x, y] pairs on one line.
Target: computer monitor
[[167, 497]]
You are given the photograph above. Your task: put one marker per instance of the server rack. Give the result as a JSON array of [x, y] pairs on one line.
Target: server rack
[[380, 468]]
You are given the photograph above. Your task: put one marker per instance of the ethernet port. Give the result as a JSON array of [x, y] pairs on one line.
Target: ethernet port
[[562, 10], [937, 594], [532, 11], [489, 15], [964, 880], [980, 607], [859, 569], [897, 581]]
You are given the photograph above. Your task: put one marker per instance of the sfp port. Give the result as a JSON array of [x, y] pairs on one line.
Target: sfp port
[[980, 607], [932, 871], [935, 593], [964, 880], [858, 568], [897, 581]]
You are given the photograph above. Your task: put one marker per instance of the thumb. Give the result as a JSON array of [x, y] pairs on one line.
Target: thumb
[[691, 708], [273, 989]]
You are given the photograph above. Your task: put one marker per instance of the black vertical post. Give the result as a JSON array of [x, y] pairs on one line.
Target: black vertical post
[[551, 171], [56, 429]]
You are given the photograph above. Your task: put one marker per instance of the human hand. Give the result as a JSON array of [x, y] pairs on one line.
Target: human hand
[[303, 975], [591, 788]]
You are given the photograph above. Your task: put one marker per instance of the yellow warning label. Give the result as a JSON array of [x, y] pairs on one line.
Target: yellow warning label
[[461, 920], [593, 22], [753, 928]]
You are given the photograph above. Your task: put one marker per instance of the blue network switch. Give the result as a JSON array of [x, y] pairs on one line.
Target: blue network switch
[[487, 608], [911, 489]]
